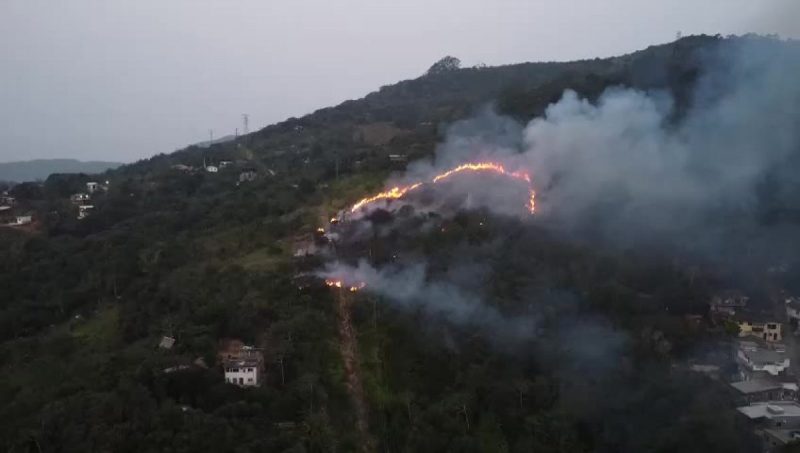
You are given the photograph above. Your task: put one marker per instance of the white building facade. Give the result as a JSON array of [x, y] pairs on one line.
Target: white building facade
[[243, 373]]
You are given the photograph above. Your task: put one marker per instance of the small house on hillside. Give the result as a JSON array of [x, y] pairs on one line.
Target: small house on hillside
[[759, 360], [21, 220], [248, 174], [243, 365], [760, 325], [758, 390], [84, 210], [79, 198], [166, 342], [728, 302]]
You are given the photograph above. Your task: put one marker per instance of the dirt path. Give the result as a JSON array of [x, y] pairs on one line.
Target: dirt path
[[348, 346]]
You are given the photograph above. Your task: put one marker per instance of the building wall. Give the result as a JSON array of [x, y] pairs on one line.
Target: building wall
[[768, 331], [242, 376]]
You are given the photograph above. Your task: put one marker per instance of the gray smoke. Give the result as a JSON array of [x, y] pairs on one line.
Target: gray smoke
[[455, 298], [630, 169]]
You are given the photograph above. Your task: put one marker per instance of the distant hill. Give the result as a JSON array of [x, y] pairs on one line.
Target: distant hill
[[39, 169]]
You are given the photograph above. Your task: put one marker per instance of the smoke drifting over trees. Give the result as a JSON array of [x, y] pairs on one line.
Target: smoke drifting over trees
[[634, 169], [630, 171]]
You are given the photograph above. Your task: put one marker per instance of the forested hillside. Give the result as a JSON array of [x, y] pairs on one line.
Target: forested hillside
[[173, 249]]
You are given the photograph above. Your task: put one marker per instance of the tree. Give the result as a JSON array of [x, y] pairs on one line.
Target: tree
[[446, 64]]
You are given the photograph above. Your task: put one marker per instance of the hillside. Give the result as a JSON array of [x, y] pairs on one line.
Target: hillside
[[40, 169], [456, 324]]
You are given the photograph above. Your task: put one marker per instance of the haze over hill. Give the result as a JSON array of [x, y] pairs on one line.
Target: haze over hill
[[40, 169]]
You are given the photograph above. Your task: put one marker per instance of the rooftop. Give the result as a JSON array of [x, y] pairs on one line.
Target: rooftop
[[755, 316], [239, 363], [771, 409], [756, 386], [764, 356]]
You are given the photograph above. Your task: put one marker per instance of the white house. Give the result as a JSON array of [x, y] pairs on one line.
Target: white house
[[243, 373], [92, 186], [83, 211], [79, 197], [22, 220], [243, 365], [756, 360]]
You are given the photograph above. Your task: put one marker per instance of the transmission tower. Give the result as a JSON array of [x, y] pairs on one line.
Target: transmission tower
[[245, 120]]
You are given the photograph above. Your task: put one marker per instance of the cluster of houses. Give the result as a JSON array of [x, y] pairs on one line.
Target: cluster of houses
[[764, 383], [10, 215], [246, 174], [83, 199]]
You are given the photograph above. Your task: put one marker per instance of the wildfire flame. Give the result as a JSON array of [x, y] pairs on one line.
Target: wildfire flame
[[400, 191], [339, 284], [393, 193]]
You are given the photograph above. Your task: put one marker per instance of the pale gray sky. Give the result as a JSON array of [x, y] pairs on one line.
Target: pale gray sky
[[122, 80]]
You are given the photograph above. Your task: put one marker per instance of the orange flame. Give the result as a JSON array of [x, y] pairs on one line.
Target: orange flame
[[400, 191], [393, 193], [339, 284]]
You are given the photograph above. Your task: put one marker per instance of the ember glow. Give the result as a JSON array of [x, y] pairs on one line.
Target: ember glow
[[492, 167], [339, 284]]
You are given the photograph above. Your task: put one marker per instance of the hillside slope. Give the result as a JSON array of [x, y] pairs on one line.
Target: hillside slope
[[171, 249]]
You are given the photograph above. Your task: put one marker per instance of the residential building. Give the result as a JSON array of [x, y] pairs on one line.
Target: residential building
[[78, 198], [728, 302], [773, 414], [756, 360], [760, 326], [212, 168], [760, 390], [21, 220], [398, 158], [243, 365], [775, 422], [83, 211], [92, 187], [248, 174], [166, 342]]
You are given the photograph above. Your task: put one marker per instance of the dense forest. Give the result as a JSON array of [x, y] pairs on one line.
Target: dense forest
[[173, 250]]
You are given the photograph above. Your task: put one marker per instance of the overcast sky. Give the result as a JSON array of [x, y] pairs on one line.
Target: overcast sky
[[122, 80]]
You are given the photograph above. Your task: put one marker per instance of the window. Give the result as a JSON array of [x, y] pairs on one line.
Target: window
[[249, 379], [241, 380]]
